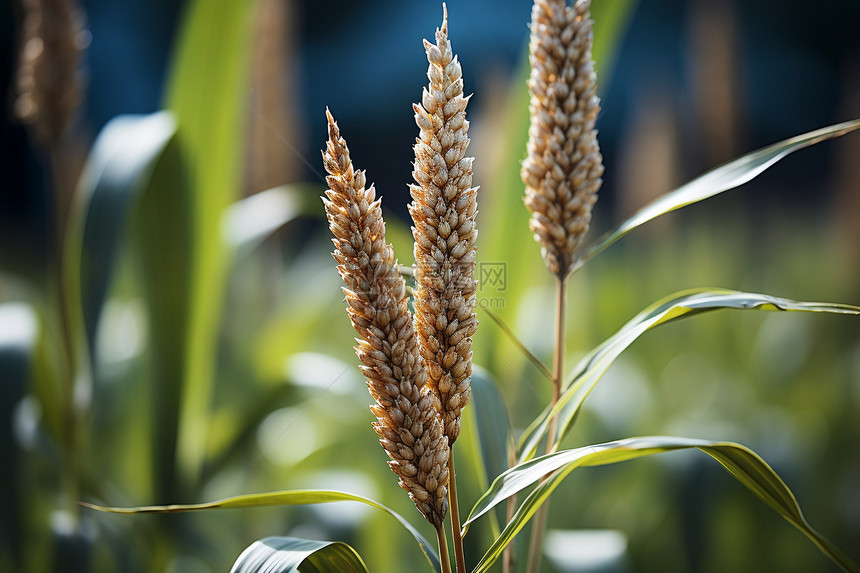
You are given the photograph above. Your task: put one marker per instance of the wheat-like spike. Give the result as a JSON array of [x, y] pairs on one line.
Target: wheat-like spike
[[563, 170], [49, 81], [408, 422], [443, 209]]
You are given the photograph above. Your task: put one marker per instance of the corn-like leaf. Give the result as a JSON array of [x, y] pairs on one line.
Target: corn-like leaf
[[494, 432], [286, 554], [279, 498], [116, 173], [249, 221], [723, 178], [684, 304], [207, 94], [744, 464]]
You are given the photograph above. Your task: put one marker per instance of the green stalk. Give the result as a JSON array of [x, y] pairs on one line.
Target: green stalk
[[539, 522]]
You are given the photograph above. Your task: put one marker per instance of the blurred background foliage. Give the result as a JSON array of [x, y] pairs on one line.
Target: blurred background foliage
[[221, 356]]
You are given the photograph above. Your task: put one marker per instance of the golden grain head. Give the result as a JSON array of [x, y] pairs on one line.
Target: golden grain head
[[407, 412], [444, 209], [562, 172]]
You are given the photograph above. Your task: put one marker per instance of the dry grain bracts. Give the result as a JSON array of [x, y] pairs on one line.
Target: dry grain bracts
[[408, 423], [563, 170], [444, 210]]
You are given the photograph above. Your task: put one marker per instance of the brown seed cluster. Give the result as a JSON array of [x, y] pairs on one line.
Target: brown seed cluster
[[563, 170], [408, 423], [444, 208], [49, 80]]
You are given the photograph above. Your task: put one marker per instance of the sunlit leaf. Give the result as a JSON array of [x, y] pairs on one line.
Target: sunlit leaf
[[723, 178], [281, 498], [286, 554], [247, 222], [591, 368], [745, 465], [207, 92], [117, 171]]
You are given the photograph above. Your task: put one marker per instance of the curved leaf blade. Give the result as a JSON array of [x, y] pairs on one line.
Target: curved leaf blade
[[684, 304], [286, 554], [718, 180], [280, 498], [248, 222], [207, 93], [742, 463], [495, 434], [117, 170]]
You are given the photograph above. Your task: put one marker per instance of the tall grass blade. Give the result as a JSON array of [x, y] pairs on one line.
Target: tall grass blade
[[518, 343], [742, 463], [282, 498], [495, 435], [723, 178], [116, 173], [684, 304], [207, 95]]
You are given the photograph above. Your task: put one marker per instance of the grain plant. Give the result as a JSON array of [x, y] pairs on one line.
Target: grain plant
[[415, 342]]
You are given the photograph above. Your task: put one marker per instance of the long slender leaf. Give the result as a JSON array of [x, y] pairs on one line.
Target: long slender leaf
[[723, 178], [207, 96], [162, 230], [117, 171], [684, 304], [280, 498], [287, 554], [495, 434], [506, 330], [744, 464]]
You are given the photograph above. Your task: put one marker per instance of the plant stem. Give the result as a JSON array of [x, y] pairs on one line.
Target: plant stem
[[443, 549], [539, 522], [457, 538], [508, 554]]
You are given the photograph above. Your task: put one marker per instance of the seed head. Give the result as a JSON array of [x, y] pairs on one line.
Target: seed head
[[49, 80], [407, 412], [563, 170], [443, 209]]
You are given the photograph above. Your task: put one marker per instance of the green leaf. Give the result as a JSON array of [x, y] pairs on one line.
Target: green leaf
[[286, 554], [280, 498], [207, 94], [684, 304], [495, 435], [723, 178], [744, 465], [162, 230], [247, 222], [506, 330], [19, 333], [117, 171]]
